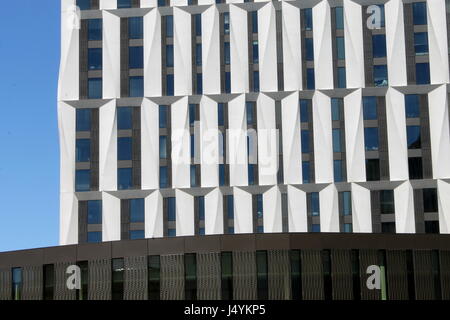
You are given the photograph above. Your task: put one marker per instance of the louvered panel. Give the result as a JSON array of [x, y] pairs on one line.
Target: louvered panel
[[100, 280], [5, 284], [279, 275], [341, 274], [445, 274], [208, 276], [397, 280], [367, 258], [172, 277], [61, 290], [244, 276], [312, 275], [32, 283], [423, 275], [136, 278]]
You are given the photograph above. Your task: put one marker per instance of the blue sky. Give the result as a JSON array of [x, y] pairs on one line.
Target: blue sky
[[29, 150]]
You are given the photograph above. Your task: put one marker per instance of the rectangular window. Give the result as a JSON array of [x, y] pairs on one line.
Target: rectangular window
[[169, 56], [226, 23], [250, 115], [419, 13], [198, 24], [415, 168], [337, 143], [259, 206], [135, 28], [154, 278], [340, 44], [230, 207], [94, 237], [337, 170], [169, 85], [306, 172], [124, 118], [255, 81], [82, 180], [422, 73], [199, 83], [82, 293], [255, 52], [163, 116], [227, 82], [137, 210], [315, 228], [83, 150], [421, 43], [342, 81], [373, 170], [379, 45], [221, 174], [162, 3], [95, 58], [171, 233], [226, 53], [163, 177], [121, 4], [254, 21], [346, 203], [380, 75], [387, 204], [262, 275], [226, 262], [309, 46], [198, 54], [315, 204], [94, 88], [430, 200], [308, 18], [371, 140], [251, 174], [201, 208], [388, 227], [169, 26], [137, 234], [136, 86], [94, 212], [304, 113], [190, 267], [136, 57], [171, 209], [412, 106], [84, 4], [118, 270], [16, 283], [310, 82], [192, 117], [124, 178], [370, 108], [83, 122], [124, 148], [163, 147], [305, 141], [413, 137], [49, 281], [339, 18]]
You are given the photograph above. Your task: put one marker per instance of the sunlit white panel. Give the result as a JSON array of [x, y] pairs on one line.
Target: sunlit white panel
[[361, 209], [267, 45], [211, 51], [237, 142], [181, 144], [214, 212], [323, 142], [182, 25], [111, 220], [185, 214], [292, 153], [111, 56], [238, 50], [108, 147], [152, 54], [297, 210], [273, 221], [404, 208], [154, 215], [243, 214], [149, 144], [209, 142]]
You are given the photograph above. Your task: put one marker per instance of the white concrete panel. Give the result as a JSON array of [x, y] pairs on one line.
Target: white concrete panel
[[354, 137], [329, 209], [292, 153], [69, 68], [108, 4], [239, 50], [354, 49], [205, 2], [404, 208], [181, 144], [178, 3], [273, 221], [396, 131], [108, 147], [395, 43], [237, 142], [149, 144], [182, 25], [185, 214], [154, 215], [214, 212], [152, 54], [438, 47], [267, 141], [234, 1], [292, 47], [361, 209], [110, 218], [209, 142], [267, 45], [243, 212], [297, 210], [67, 139], [149, 3], [211, 51], [444, 206], [439, 132], [323, 142], [323, 50], [68, 219], [111, 55]]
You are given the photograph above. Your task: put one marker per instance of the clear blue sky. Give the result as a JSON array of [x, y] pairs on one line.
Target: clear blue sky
[[29, 150]]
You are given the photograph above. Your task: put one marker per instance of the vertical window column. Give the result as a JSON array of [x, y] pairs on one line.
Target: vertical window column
[[228, 214], [132, 219], [132, 57], [313, 211], [258, 213], [252, 142], [338, 44], [90, 221], [169, 216], [197, 73], [307, 43], [426, 210], [345, 210], [383, 211], [167, 55], [224, 167], [225, 53], [307, 140], [338, 135], [199, 209], [253, 51], [165, 147], [194, 117]]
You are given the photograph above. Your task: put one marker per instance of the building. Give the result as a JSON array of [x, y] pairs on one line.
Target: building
[[202, 118]]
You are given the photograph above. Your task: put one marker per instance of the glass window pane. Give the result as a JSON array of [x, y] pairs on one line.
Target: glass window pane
[[123, 4], [220, 114], [95, 29], [136, 28], [169, 26], [430, 202], [304, 113], [136, 86], [337, 170], [250, 115], [309, 46], [170, 85], [259, 206], [419, 13], [255, 52], [337, 144], [230, 207], [379, 45], [412, 106], [422, 73], [254, 21], [255, 81], [251, 174], [308, 18], [84, 4], [373, 170], [380, 75], [346, 203], [137, 210], [310, 82], [163, 177], [94, 237], [341, 77], [82, 180], [95, 88], [83, 147], [124, 148], [199, 83], [226, 23], [227, 82], [125, 178], [370, 108], [340, 43], [198, 54], [136, 57], [315, 228], [306, 171], [198, 25], [94, 211], [315, 204], [192, 114], [124, 118], [169, 56], [226, 54], [163, 147], [348, 227], [163, 116], [421, 43], [371, 139], [305, 141], [387, 204], [171, 209], [415, 168], [336, 107], [193, 176], [83, 120], [413, 137], [137, 234], [339, 18]]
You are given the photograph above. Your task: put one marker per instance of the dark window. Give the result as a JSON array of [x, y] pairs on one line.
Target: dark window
[[413, 137], [137, 234], [94, 212], [371, 139], [135, 28], [154, 278], [251, 174], [304, 113], [370, 108], [412, 106], [255, 52], [95, 88], [340, 44], [230, 207], [163, 177], [192, 117], [337, 143], [337, 169], [262, 275], [190, 267], [118, 270], [259, 206], [82, 293], [254, 21], [296, 274], [172, 233], [95, 29], [226, 261], [136, 57], [95, 58], [380, 75], [419, 13], [221, 174], [379, 45], [170, 85], [198, 24], [250, 112], [373, 169], [136, 86], [199, 83], [137, 210], [308, 18], [124, 148], [430, 200], [49, 281], [123, 4], [83, 120], [306, 167], [431, 226], [310, 82], [422, 73], [125, 178], [415, 168], [169, 55], [84, 4], [227, 82], [163, 110], [83, 150], [421, 43], [339, 15], [309, 45], [387, 204], [305, 141], [198, 54], [163, 147], [94, 237], [346, 203], [201, 207], [315, 228], [315, 203], [82, 180], [341, 77], [162, 3], [171, 209], [256, 81], [388, 227], [194, 182], [16, 283], [226, 53], [124, 118]]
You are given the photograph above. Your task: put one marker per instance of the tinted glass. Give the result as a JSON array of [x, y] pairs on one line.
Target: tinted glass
[[373, 169], [94, 212], [315, 228], [259, 206], [309, 46], [413, 137], [421, 43], [198, 54], [306, 171], [170, 85], [337, 143], [340, 44], [83, 120], [315, 204], [95, 88], [304, 113], [123, 4], [94, 237], [251, 174], [171, 209], [226, 23], [84, 4], [419, 13], [95, 29], [163, 116], [336, 108], [415, 168], [94, 58], [163, 147], [310, 82], [137, 234], [387, 204], [412, 106], [255, 81], [370, 108], [163, 177], [83, 153], [254, 21], [198, 24], [124, 148], [169, 26], [230, 207], [169, 55], [430, 202], [226, 53], [124, 118], [305, 141], [380, 75], [135, 28], [379, 45], [199, 83], [82, 180], [125, 178], [339, 18], [227, 82], [136, 57], [250, 112], [337, 170], [346, 203], [371, 139], [341, 77], [137, 210], [307, 13], [422, 73], [136, 86]]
